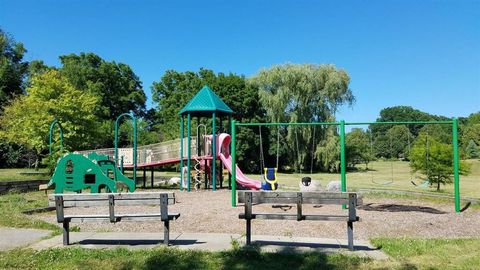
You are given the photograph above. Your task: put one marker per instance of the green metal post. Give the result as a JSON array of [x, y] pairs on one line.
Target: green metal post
[[456, 164], [52, 125], [182, 134], [134, 147], [234, 165], [189, 148], [214, 152], [229, 132], [342, 158], [134, 119], [221, 166]]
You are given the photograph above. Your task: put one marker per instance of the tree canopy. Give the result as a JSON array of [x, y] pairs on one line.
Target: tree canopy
[[358, 148], [117, 86], [12, 68], [303, 93], [51, 96], [433, 159], [175, 89]]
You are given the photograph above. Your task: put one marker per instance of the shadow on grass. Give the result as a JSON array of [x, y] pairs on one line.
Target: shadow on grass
[[400, 208], [293, 246], [252, 258], [248, 258]]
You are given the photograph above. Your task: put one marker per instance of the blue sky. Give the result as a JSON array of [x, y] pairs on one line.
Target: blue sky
[[420, 53]]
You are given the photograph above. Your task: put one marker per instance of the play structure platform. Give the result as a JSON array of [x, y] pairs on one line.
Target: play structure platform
[[168, 153]]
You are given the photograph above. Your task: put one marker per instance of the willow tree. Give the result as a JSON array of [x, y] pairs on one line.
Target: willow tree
[[304, 93]]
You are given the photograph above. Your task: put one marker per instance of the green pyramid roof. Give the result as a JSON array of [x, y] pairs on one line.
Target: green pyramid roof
[[206, 101]]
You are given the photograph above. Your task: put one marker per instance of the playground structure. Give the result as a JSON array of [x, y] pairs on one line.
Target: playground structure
[[76, 172], [97, 172], [210, 153]]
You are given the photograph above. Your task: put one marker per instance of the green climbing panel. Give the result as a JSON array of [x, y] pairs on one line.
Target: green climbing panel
[[76, 172]]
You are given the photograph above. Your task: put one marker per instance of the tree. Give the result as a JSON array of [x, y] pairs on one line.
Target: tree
[[144, 134], [400, 140], [434, 159], [26, 120], [175, 89], [358, 148], [117, 86], [303, 93], [472, 150], [14, 156], [402, 113], [470, 134], [12, 68], [328, 151], [37, 67]]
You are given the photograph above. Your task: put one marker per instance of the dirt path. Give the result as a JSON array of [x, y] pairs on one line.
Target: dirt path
[[211, 212]]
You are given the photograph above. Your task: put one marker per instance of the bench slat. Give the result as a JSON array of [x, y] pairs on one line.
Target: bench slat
[[292, 197], [294, 217], [93, 196], [118, 218], [121, 199]]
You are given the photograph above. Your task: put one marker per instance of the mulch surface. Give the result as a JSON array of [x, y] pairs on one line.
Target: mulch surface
[[211, 212]]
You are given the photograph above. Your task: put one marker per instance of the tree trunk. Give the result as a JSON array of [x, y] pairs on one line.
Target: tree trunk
[[36, 163], [438, 186]]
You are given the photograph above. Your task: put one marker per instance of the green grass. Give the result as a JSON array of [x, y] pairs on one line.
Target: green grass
[[380, 173], [15, 174], [405, 253], [409, 253], [12, 205], [171, 258]]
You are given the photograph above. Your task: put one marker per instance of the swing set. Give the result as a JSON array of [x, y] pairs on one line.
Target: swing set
[[270, 173]]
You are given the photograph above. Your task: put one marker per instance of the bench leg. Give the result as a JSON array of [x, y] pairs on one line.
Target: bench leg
[[166, 232], [66, 233], [249, 231], [350, 235]]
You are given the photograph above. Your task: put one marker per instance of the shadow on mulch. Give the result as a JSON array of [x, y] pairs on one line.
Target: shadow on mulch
[[400, 208]]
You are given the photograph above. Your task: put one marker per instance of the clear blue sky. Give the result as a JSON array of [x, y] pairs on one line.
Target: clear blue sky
[[420, 53]]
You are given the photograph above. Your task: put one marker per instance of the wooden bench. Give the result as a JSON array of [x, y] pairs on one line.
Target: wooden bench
[[163, 199], [249, 198]]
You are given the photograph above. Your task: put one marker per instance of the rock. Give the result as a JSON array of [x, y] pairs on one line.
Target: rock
[[174, 180], [334, 186]]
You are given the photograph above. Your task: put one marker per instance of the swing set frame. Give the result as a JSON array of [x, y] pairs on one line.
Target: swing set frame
[[341, 125]]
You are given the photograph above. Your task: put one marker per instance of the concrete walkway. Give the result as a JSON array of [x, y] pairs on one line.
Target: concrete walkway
[[212, 242], [11, 238]]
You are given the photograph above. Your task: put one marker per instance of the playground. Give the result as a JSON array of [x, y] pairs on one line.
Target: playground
[[392, 204]]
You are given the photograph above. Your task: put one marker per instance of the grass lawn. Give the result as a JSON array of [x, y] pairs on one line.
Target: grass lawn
[[380, 177], [12, 205], [171, 258], [23, 174], [405, 254]]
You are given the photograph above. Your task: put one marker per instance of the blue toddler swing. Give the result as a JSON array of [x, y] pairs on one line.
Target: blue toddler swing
[[269, 174]]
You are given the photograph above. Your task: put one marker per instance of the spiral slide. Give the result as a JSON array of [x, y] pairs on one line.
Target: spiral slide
[[224, 154]]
